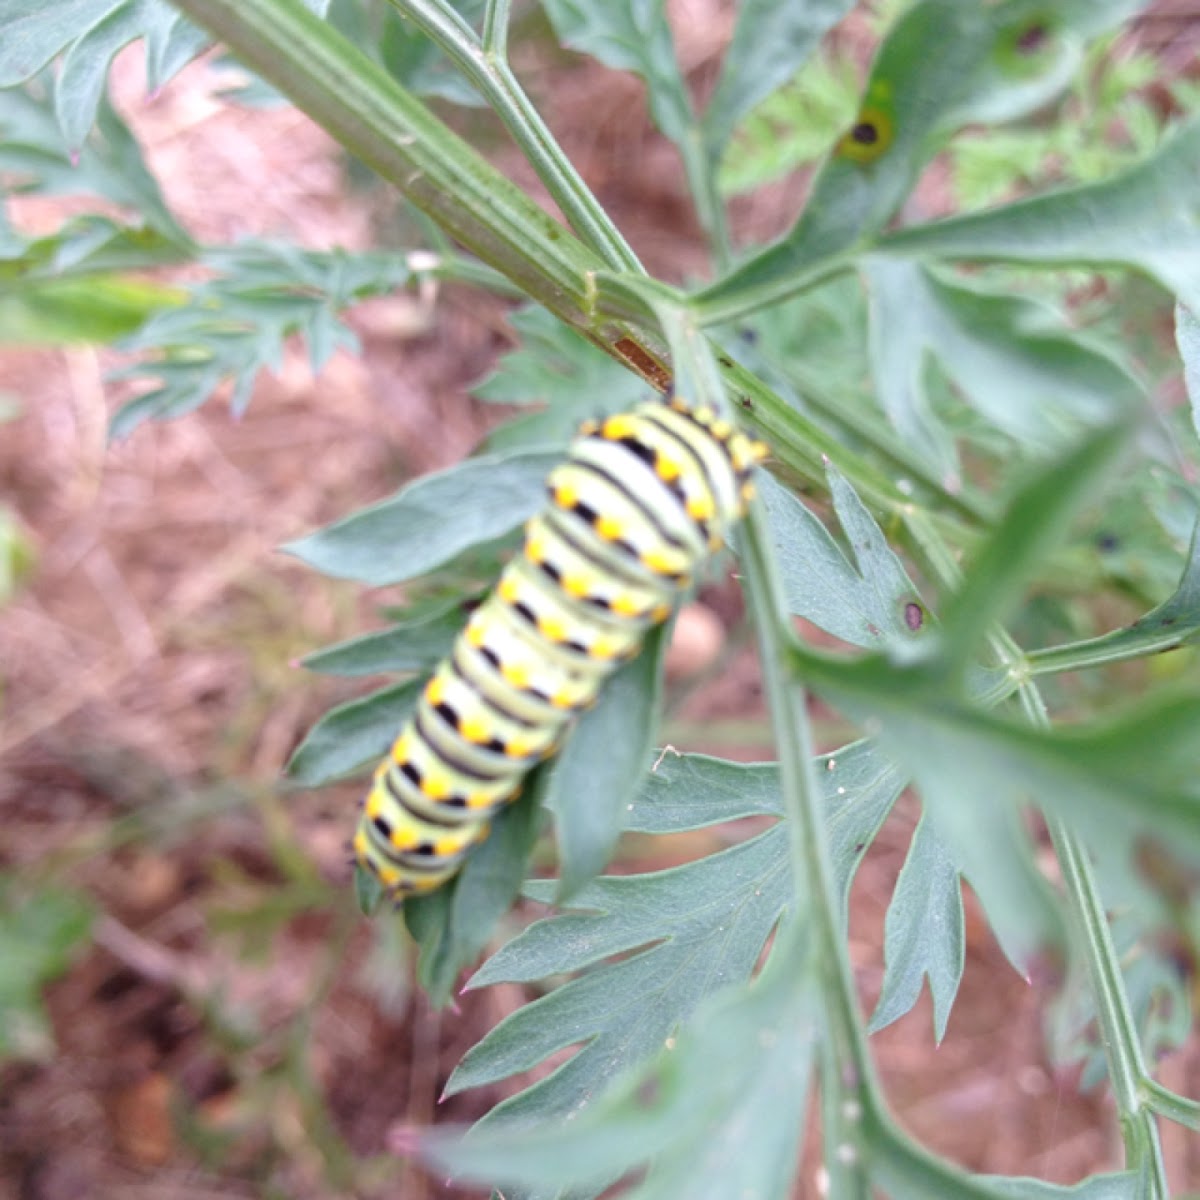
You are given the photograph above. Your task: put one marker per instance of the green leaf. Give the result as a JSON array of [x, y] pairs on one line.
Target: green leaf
[[1012, 358], [599, 769], [452, 926], [924, 936], [865, 602], [695, 928], [771, 41], [719, 1113], [1142, 218], [1187, 338], [859, 786], [430, 521], [912, 102], [40, 933], [237, 323], [353, 735], [96, 310], [1124, 1186], [35, 158], [630, 35], [416, 645]]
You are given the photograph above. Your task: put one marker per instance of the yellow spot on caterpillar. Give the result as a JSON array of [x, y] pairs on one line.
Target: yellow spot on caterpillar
[[475, 634], [625, 606], [436, 787], [552, 628], [477, 800], [405, 839], [748, 492], [509, 589], [660, 561], [516, 673], [361, 847], [435, 691], [589, 427], [668, 469], [704, 415], [535, 548], [700, 508], [715, 542], [563, 698], [721, 430], [475, 729], [608, 527], [419, 883], [575, 585], [759, 450], [604, 647], [660, 613], [444, 846], [518, 748], [374, 805], [402, 747], [618, 427], [388, 876], [565, 496]]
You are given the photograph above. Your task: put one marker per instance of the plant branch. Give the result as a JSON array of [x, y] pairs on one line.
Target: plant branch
[[485, 65]]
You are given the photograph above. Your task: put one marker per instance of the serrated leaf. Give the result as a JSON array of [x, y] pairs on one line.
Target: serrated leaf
[[416, 645], [923, 934], [866, 602], [630, 35], [1142, 218], [452, 926], [695, 928], [913, 101], [34, 157], [430, 521], [96, 310], [353, 735], [236, 324], [859, 785], [598, 770], [39, 934], [717, 1114], [771, 41], [1187, 338], [1011, 357]]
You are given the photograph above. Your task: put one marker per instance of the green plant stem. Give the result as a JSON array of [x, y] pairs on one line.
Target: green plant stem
[[710, 207], [495, 28], [485, 65], [1099, 652]]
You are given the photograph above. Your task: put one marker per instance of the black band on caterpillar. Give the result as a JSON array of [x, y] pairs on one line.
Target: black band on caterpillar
[[640, 501]]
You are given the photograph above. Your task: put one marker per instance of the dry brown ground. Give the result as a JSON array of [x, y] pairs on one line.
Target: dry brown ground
[[146, 687]]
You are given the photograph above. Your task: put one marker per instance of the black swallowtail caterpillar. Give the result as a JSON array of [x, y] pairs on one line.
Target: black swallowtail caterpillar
[[641, 500]]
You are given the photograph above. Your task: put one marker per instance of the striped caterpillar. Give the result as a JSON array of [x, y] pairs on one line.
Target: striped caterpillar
[[641, 500]]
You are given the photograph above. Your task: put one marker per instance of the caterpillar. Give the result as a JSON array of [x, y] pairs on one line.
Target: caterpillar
[[640, 501]]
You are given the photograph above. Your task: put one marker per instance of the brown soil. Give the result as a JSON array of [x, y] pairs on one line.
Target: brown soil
[[234, 1029]]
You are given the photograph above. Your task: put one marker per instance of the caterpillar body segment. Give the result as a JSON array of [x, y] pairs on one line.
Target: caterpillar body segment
[[640, 501]]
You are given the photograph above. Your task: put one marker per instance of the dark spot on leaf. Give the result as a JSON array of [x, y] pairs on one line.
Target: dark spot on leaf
[[749, 336], [1167, 622], [745, 402], [648, 1092], [865, 133], [873, 629], [914, 615], [860, 847], [1032, 38], [1106, 543]]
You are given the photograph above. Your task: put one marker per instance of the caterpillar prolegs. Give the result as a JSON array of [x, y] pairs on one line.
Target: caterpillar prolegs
[[640, 501]]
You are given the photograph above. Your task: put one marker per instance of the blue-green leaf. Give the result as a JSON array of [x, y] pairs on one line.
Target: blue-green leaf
[[430, 521], [865, 602], [924, 937], [416, 645], [630, 35], [771, 41], [1012, 358], [1187, 338], [598, 771], [353, 735]]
